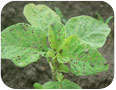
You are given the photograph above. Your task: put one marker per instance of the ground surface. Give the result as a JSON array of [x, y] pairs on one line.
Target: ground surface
[[15, 77]]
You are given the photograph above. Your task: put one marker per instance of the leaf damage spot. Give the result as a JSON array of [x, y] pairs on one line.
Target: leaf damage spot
[[24, 49], [92, 64], [35, 46], [106, 63], [41, 47], [54, 49], [11, 30], [61, 51], [52, 24], [86, 51], [75, 62], [32, 31], [24, 29], [23, 26], [55, 54]]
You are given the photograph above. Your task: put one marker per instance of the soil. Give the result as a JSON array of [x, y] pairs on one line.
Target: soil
[[19, 78]]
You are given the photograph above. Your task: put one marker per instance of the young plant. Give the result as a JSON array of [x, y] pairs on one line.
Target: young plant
[[75, 43], [99, 17], [59, 12]]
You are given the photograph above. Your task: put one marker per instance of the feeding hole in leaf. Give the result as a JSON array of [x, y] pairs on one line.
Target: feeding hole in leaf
[[60, 51]]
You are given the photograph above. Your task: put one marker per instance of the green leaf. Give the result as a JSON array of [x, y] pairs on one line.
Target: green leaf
[[108, 19], [66, 45], [59, 33], [40, 16], [66, 49], [50, 53], [87, 61], [23, 44], [52, 85], [64, 20], [38, 86], [66, 84], [88, 30], [63, 68], [52, 38], [58, 12], [59, 76], [55, 35], [63, 59]]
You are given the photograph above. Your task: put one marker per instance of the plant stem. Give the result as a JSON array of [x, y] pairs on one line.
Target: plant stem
[[54, 76], [54, 66], [53, 71]]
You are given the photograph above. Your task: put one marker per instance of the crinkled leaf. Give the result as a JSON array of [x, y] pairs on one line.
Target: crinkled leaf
[[52, 38], [58, 32], [63, 68], [55, 35], [87, 61], [66, 49], [38, 86], [52, 85], [90, 31], [64, 44], [63, 59], [50, 53], [67, 45], [40, 16], [66, 84], [23, 44]]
